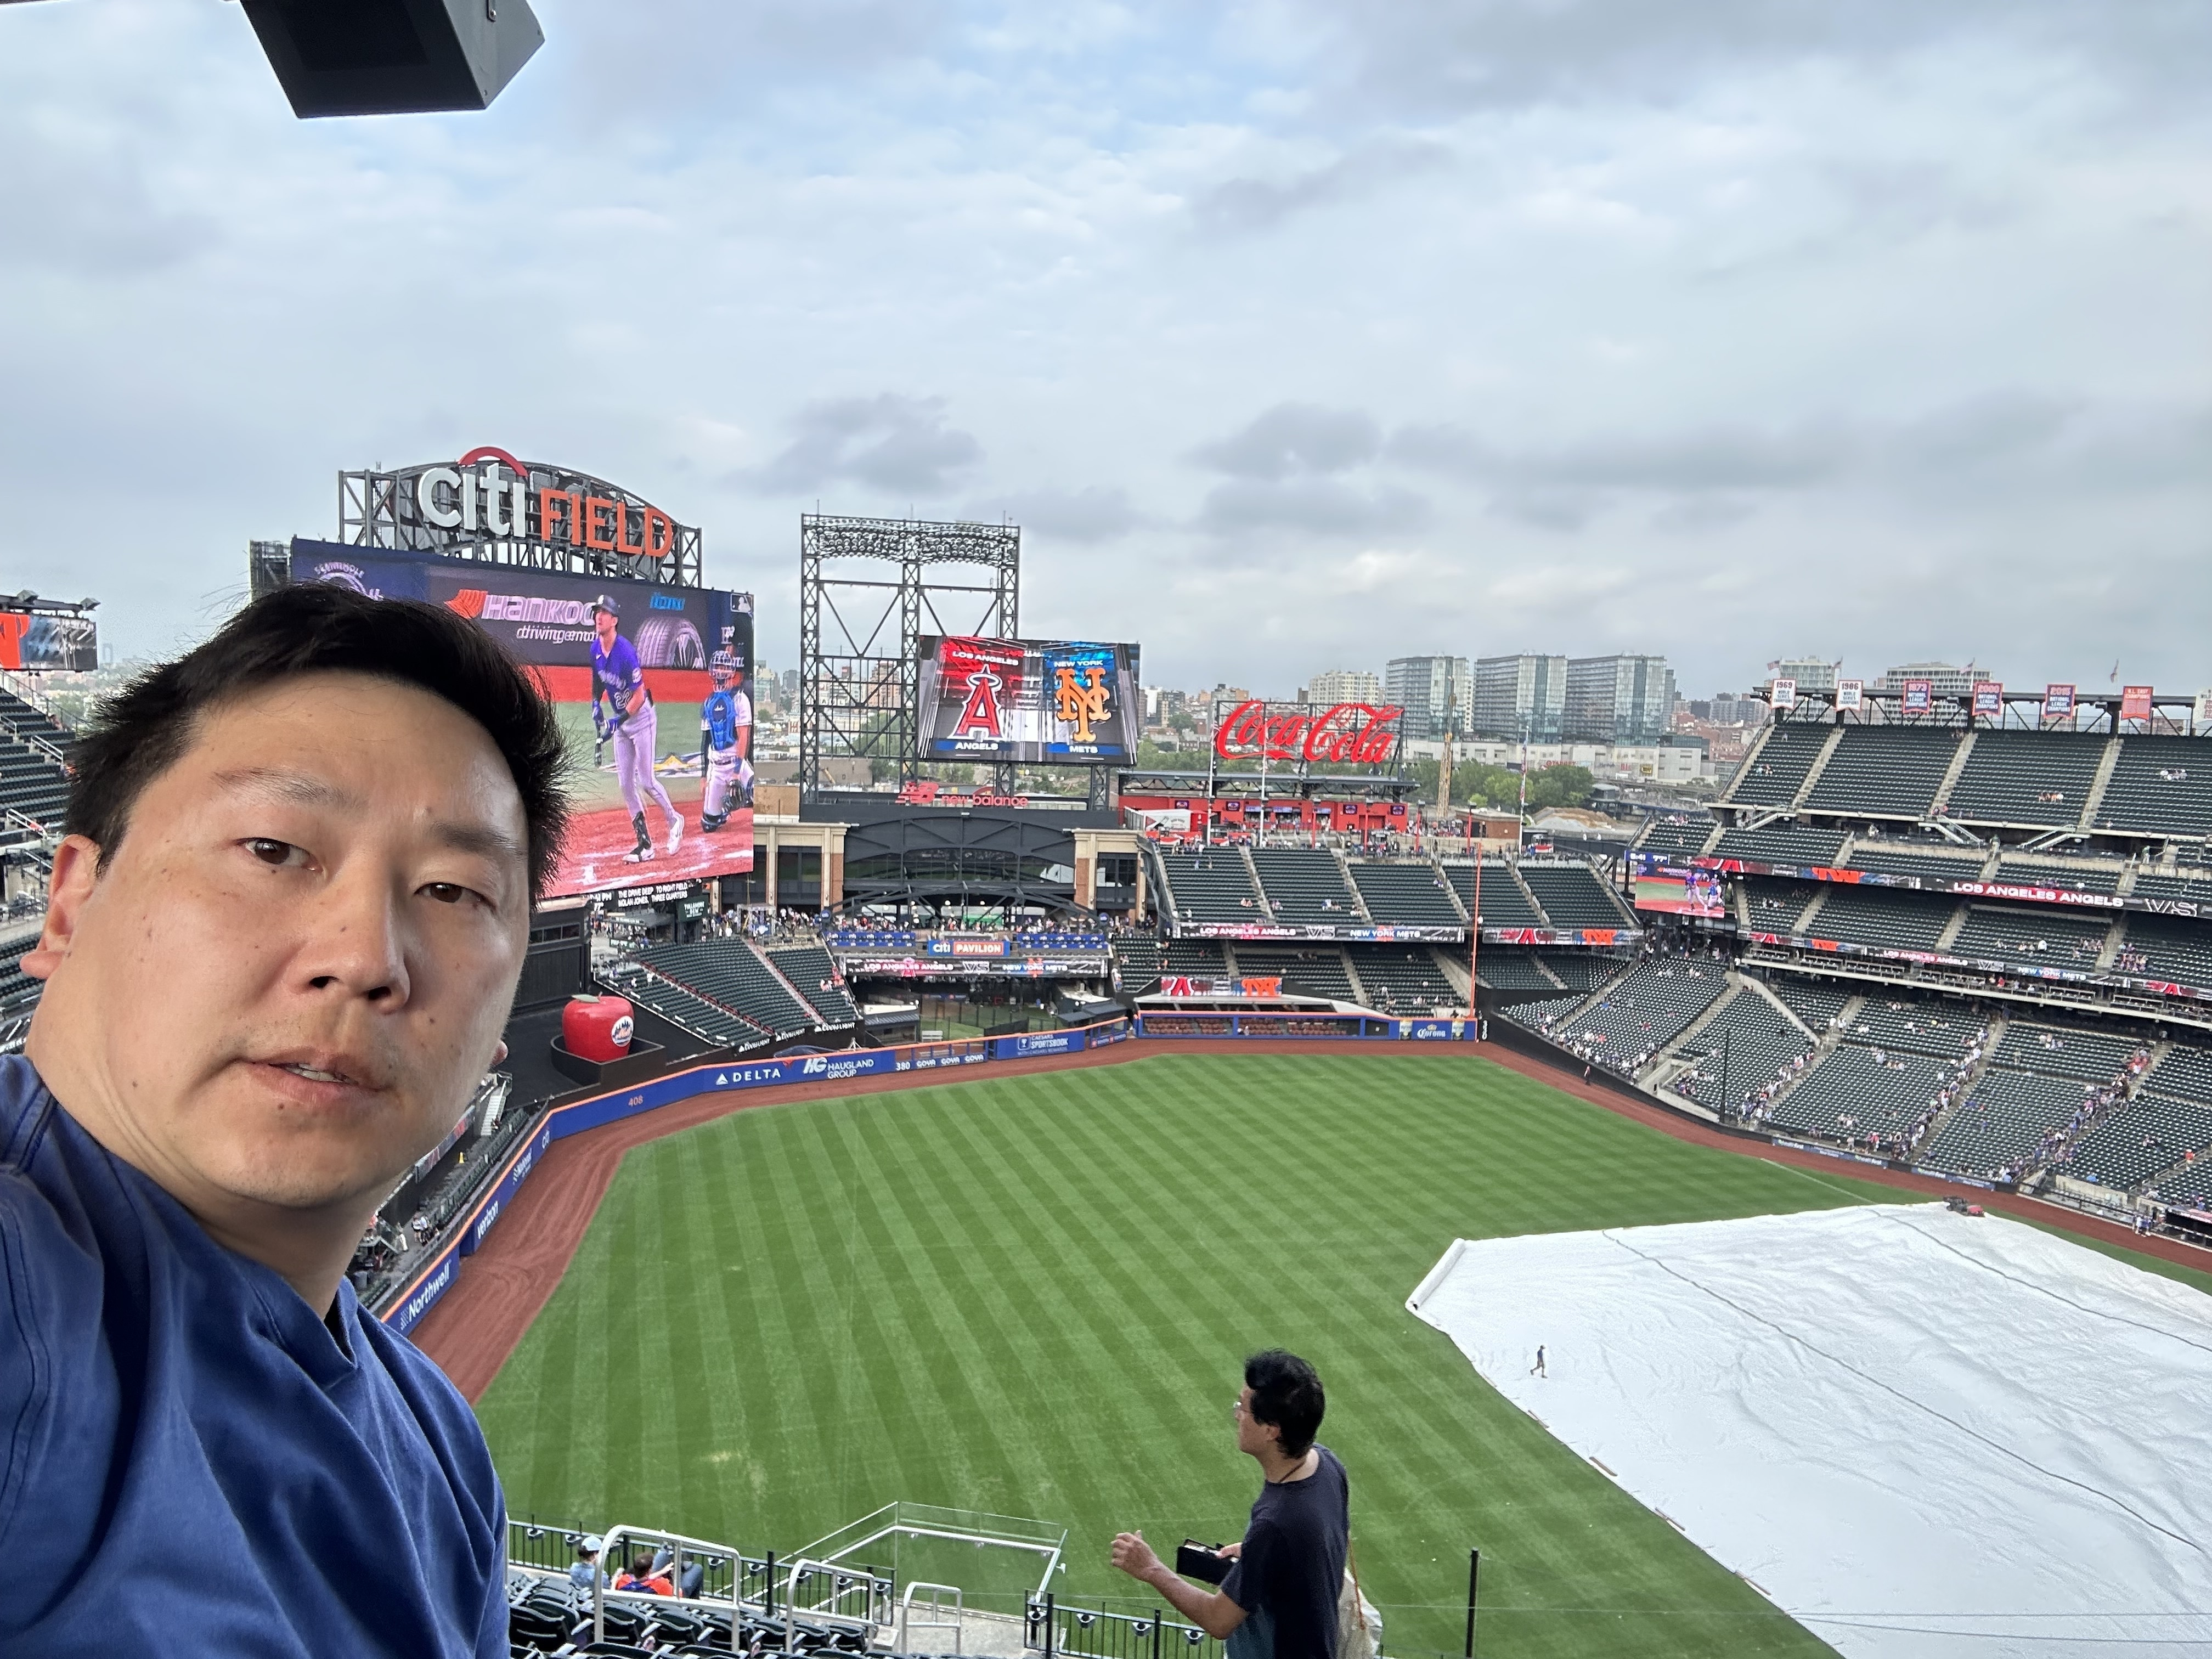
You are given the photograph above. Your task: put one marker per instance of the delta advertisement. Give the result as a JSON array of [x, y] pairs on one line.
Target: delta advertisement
[[653, 686], [35, 643], [1027, 701]]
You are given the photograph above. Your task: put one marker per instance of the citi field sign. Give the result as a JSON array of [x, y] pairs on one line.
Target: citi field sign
[[1359, 733], [489, 496]]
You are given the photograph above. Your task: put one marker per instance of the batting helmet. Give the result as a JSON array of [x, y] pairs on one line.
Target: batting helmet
[[606, 602]]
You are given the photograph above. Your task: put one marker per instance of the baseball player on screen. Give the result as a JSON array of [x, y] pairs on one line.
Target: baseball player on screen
[[725, 741], [633, 724]]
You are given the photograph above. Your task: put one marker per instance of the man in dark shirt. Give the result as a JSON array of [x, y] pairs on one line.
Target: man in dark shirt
[[1286, 1576], [282, 932]]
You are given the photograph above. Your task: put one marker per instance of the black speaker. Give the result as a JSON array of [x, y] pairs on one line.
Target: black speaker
[[394, 57]]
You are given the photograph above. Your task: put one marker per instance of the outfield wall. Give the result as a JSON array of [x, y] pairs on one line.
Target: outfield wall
[[417, 1295]]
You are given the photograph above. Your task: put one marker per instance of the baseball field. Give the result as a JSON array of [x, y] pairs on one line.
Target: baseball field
[[1030, 1295]]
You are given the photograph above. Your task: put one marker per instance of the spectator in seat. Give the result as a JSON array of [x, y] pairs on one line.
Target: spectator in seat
[[644, 1576], [1280, 1598], [583, 1570], [285, 924]]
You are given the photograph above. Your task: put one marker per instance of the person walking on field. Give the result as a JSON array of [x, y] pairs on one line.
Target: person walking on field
[[1537, 1369], [1281, 1597]]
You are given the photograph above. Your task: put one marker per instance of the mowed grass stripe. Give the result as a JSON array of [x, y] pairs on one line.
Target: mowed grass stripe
[[1031, 1295]]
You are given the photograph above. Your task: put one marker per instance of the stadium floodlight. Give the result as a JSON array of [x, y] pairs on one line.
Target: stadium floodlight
[[394, 57]]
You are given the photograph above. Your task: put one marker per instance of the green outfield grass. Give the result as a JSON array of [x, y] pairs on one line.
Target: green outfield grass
[[1031, 1296]]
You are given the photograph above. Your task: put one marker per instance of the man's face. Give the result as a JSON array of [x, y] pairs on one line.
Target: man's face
[[1252, 1436], [605, 621], [283, 985]]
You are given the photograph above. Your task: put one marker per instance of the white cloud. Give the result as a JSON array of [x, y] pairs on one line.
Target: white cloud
[[1298, 333]]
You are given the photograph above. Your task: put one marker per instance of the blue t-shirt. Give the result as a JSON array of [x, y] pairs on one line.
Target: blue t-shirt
[[615, 673], [189, 1461]]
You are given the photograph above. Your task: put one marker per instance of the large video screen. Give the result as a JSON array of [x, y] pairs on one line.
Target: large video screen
[[1032, 701], [653, 686], [1675, 890], [35, 643]]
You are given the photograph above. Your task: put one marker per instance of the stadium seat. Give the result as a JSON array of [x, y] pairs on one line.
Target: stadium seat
[[1408, 895], [1212, 884], [1884, 771], [1306, 886], [1503, 904], [1782, 843], [1572, 894], [2159, 786], [2026, 779], [1773, 773]]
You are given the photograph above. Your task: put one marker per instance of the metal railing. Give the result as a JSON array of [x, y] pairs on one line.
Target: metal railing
[[1053, 1628]]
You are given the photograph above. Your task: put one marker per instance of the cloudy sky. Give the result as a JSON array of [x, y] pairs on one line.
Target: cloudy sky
[[1296, 335]]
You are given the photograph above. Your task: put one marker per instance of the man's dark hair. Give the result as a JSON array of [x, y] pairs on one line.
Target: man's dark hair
[[1287, 1396], [312, 627]]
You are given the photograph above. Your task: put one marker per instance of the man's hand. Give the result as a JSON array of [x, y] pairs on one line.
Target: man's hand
[[1230, 1551], [1134, 1556]]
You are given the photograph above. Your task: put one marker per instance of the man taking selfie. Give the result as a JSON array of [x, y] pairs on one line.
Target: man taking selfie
[[1285, 1579], [282, 934]]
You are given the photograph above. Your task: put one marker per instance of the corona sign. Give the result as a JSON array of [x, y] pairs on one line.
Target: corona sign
[[488, 504], [1357, 733]]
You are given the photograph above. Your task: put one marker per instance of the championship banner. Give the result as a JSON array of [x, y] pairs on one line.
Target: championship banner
[[1782, 694], [2135, 703], [1989, 700], [651, 684], [1034, 701], [1919, 697], [2057, 703], [1850, 694]]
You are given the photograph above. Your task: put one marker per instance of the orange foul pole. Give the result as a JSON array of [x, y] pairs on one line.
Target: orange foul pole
[[1474, 936]]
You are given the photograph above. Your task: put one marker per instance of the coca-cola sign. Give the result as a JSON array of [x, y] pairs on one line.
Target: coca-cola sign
[[1355, 733]]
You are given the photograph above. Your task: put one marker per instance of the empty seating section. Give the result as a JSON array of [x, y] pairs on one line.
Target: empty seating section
[[1580, 971], [2167, 948], [1403, 977], [1884, 771], [1411, 894], [1318, 969], [2141, 1137], [686, 1009], [1751, 1040], [1544, 1013], [1644, 1012], [2003, 1122], [1774, 904], [1893, 857], [1138, 960], [2055, 1051], [1923, 1027], [1850, 1093], [1782, 843], [1200, 957], [2045, 872], [2151, 885], [728, 973], [21, 716], [1774, 776], [809, 967], [1212, 885], [1306, 886], [1503, 904], [1505, 968], [1818, 1005], [32, 785], [2185, 1072], [1890, 918], [2026, 777], [2159, 785], [2038, 936], [1675, 836], [1571, 896]]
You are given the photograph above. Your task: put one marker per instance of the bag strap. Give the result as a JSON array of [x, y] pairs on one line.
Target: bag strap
[[1358, 1596]]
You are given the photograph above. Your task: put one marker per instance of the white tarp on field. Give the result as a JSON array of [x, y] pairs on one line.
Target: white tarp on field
[[1920, 1433]]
